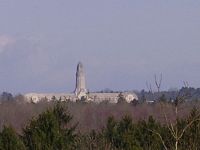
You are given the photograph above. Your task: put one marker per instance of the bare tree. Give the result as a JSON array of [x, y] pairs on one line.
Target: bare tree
[[175, 132], [149, 87], [158, 82]]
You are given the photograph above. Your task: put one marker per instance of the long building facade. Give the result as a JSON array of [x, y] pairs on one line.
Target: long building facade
[[81, 93]]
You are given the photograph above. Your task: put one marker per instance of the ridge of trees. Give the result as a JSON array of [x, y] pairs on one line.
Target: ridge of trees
[[53, 129]]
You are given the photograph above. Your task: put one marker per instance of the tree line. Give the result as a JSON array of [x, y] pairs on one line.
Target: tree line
[[54, 129]]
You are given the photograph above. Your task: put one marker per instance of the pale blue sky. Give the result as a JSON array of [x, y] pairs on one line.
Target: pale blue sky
[[122, 43]]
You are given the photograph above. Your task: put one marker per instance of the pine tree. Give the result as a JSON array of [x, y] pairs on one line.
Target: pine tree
[[9, 140], [50, 131]]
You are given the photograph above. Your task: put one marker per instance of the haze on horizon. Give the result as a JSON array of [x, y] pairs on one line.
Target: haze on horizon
[[122, 44]]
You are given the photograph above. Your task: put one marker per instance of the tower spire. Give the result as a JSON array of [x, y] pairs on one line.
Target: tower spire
[[80, 89]]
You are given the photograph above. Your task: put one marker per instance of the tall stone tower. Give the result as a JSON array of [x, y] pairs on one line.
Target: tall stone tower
[[80, 90]]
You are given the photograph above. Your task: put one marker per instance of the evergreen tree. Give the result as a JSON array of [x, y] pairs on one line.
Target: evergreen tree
[[121, 134], [146, 134], [50, 131], [192, 135], [111, 131], [9, 140]]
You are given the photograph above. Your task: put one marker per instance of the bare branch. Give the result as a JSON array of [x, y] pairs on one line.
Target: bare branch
[[170, 127], [187, 126], [168, 123], [158, 134], [149, 87], [158, 82], [186, 84]]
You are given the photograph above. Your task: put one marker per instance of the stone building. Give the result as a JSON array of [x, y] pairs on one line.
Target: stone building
[[81, 93]]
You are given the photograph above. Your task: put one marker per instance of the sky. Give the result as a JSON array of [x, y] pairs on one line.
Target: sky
[[121, 43]]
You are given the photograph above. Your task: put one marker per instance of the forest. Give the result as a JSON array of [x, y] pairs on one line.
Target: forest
[[56, 125]]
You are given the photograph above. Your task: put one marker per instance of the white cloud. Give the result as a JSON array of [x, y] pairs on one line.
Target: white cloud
[[5, 41]]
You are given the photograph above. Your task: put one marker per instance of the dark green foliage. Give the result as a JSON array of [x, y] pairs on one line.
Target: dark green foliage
[[121, 135], [111, 132], [192, 135], [146, 134], [9, 140], [53, 130], [50, 131], [151, 135], [93, 141], [126, 134]]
